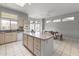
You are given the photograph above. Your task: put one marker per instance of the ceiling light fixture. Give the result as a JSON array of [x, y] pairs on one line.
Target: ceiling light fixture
[[21, 4]]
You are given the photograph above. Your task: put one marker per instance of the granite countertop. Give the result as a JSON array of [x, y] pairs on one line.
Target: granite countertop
[[8, 30], [40, 35]]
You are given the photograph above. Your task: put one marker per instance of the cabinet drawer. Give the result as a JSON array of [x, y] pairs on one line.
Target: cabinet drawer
[[25, 40], [8, 34], [37, 52], [14, 39], [2, 41], [14, 33], [8, 39], [30, 46], [37, 47], [36, 40]]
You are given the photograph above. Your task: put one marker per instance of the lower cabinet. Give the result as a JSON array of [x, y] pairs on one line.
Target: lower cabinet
[[14, 36], [37, 46], [33, 44], [30, 43], [37, 52], [37, 43], [10, 37], [1, 38], [6, 37], [25, 40]]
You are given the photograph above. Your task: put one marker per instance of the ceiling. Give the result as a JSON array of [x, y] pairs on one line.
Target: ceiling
[[43, 10]]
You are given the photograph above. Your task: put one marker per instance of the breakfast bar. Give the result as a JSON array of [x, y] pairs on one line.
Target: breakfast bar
[[39, 44]]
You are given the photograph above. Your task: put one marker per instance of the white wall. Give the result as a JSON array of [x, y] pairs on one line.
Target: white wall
[[69, 29]]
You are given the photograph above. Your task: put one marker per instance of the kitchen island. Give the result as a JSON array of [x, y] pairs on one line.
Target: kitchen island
[[39, 44]]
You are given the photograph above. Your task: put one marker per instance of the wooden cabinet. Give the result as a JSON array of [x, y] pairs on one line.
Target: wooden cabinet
[[37, 46], [14, 36], [30, 43], [10, 37], [1, 38], [37, 52], [6, 37], [25, 40], [37, 43]]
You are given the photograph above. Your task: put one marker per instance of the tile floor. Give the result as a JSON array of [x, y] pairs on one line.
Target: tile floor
[[14, 49], [66, 48], [61, 48]]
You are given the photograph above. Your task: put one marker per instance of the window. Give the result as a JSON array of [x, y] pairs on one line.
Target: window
[[57, 20], [8, 24], [35, 25], [5, 24], [68, 19], [32, 26], [13, 25]]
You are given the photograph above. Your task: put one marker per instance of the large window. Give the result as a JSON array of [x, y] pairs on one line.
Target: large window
[[8, 21], [35, 25], [13, 25], [8, 24], [5, 24]]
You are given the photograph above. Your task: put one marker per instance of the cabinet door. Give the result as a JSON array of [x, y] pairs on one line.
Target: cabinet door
[[1, 38], [14, 36], [25, 41], [37, 43], [30, 43], [37, 52], [10, 37], [37, 46]]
